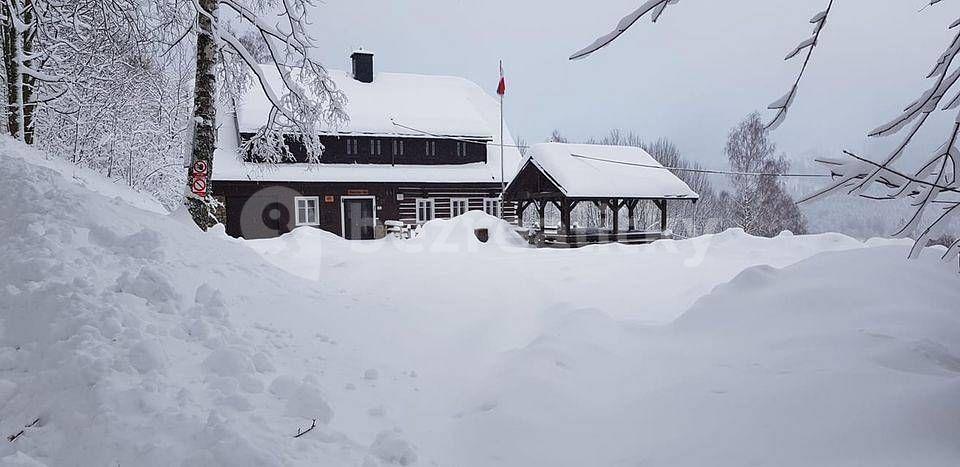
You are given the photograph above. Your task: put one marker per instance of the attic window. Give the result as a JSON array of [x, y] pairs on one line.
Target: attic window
[[375, 147], [352, 146], [398, 147], [461, 149], [431, 148]]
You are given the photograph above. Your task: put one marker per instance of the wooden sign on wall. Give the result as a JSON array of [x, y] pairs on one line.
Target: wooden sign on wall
[[358, 192]]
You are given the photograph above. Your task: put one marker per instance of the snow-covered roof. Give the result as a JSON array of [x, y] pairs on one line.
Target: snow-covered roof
[[432, 105], [443, 105], [598, 171]]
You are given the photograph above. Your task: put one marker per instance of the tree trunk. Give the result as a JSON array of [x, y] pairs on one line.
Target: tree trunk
[[28, 83], [20, 86], [11, 68], [204, 120]]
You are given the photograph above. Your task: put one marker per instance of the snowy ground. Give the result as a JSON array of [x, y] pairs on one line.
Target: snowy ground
[[136, 340]]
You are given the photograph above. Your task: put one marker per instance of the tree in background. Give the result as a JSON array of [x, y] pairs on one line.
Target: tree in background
[[54, 47], [759, 203], [933, 189], [557, 137]]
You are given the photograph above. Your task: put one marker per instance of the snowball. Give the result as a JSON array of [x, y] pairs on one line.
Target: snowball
[[149, 285], [389, 447], [228, 362], [308, 402], [206, 295], [261, 362], [147, 356], [284, 386]]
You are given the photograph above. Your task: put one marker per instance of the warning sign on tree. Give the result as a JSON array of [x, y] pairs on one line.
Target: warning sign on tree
[[199, 177]]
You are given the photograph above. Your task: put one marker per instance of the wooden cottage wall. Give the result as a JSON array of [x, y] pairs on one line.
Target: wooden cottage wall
[[244, 220]]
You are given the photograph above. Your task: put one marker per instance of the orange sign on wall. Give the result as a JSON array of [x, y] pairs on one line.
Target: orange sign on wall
[[328, 199], [357, 192]]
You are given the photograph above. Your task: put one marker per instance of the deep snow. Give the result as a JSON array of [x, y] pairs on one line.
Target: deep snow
[[137, 340]]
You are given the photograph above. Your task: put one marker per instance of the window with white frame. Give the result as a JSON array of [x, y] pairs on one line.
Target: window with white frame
[[424, 210], [492, 206], [398, 147], [459, 206], [375, 147], [352, 146], [431, 148], [308, 212], [461, 149]]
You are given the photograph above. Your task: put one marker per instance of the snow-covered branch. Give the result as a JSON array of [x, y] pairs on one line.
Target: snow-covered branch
[[783, 104], [654, 7]]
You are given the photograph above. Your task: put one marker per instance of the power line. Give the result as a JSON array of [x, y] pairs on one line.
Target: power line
[[636, 164], [466, 140], [706, 171]]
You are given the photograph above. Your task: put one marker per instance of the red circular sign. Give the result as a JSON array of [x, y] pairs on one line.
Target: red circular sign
[[200, 167]]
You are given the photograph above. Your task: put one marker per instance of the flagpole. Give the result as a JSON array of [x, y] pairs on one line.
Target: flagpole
[[503, 186]]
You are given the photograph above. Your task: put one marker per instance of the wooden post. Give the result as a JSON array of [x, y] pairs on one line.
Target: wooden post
[[615, 205], [632, 211], [565, 216], [541, 213], [601, 213], [521, 206], [663, 215]]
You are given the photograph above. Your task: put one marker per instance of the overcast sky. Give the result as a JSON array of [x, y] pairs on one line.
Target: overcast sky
[[690, 77]]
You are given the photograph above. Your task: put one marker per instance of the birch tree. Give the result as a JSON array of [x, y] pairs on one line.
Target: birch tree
[[305, 99], [933, 190]]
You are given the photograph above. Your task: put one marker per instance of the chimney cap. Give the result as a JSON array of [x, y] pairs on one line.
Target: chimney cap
[[360, 51]]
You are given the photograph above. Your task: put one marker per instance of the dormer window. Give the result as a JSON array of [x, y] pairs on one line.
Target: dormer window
[[375, 147], [431, 148], [352, 146]]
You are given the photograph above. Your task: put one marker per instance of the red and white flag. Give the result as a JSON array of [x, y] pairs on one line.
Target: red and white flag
[[502, 87]]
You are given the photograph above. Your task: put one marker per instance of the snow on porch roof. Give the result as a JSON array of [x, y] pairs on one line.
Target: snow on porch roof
[[442, 105], [596, 171]]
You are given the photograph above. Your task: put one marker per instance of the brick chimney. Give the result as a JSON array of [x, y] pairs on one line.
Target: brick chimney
[[362, 65]]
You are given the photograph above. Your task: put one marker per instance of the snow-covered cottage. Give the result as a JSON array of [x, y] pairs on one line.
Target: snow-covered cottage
[[417, 147]]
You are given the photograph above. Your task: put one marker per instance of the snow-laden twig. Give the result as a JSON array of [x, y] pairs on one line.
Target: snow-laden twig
[[654, 7], [14, 437], [301, 431], [783, 104]]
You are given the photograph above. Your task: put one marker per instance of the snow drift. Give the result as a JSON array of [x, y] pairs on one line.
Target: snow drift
[[128, 337]]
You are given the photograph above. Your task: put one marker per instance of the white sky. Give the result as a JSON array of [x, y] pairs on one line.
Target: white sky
[[690, 77]]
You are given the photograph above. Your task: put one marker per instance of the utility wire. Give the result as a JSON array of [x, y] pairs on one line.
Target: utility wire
[[466, 140], [678, 169], [707, 171]]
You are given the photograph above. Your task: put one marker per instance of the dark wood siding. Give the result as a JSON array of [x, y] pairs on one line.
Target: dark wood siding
[[414, 150], [266, 209], [531, 183]]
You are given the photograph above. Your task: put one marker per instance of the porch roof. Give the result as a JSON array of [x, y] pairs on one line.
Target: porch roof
[[589, 171]]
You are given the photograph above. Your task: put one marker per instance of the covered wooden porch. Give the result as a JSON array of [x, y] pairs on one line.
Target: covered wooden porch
[[566, 234], [567, 175]]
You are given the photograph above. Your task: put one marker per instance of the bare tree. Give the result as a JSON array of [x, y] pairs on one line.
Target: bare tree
[[557, 137], [934, 189], [760, 204]]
